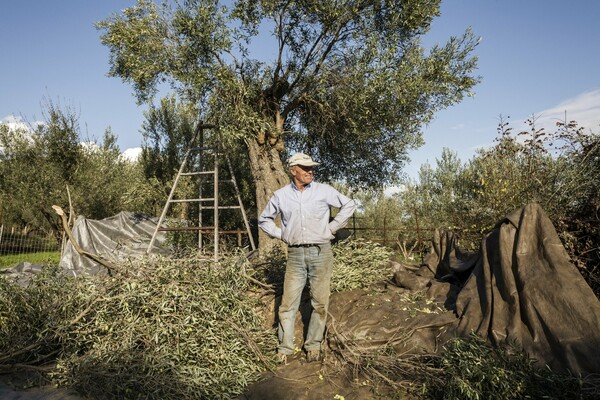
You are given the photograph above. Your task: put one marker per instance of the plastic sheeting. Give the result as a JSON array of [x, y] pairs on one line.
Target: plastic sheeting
[[118, 238], [123, 236]]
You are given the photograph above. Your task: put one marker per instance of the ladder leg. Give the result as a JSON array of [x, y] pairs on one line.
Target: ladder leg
[[216, 204], [239, 198], [166, 208]]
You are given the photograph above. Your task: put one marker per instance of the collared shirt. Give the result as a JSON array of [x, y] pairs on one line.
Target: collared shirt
[[305, 214]]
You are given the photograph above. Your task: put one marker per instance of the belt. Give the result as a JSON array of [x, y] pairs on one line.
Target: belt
[[306, 245]]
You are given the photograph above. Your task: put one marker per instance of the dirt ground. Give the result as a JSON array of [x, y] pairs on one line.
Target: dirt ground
[[300, 380]]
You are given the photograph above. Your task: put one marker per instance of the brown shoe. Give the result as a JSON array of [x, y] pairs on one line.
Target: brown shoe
[[313, 355]]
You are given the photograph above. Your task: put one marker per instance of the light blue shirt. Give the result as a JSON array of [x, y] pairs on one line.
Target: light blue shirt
[[305, 214]]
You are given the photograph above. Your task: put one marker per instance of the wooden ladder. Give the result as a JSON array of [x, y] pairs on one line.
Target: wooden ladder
[[205, 203]]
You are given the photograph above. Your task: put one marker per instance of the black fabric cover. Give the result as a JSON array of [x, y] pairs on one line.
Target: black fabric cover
[[520, 287], [524, 289]]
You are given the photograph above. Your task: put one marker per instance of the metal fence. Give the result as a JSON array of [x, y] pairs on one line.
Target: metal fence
[[18, 246], [386, 233]]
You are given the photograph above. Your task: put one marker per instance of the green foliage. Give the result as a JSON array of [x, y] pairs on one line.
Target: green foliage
[[558, 170], [578, 197], [38, 257], [103, 182], [33, 170], [160, 329], [43, 167], [27, 315], [346, 81], [358, 264], [169, 132], [473, 369], [466, 368]]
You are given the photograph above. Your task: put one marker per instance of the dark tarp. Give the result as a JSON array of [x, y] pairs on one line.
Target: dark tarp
[[521, 287], [524, 289]]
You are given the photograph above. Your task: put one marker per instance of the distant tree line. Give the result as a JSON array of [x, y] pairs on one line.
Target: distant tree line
[[559, 170]]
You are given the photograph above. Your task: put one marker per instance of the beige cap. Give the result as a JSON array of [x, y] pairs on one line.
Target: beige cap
[[301, 159]]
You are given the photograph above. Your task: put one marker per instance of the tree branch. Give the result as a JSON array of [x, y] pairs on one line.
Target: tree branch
[[76, 246]]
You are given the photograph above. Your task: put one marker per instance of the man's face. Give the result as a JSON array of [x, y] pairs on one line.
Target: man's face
[[302, 175]]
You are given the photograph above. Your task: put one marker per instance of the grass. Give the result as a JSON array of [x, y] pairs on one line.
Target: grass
[[43, 257]]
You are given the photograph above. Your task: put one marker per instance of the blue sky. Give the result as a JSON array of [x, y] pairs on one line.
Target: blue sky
[[536, 57]]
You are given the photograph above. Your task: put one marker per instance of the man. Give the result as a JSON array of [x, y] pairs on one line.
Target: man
[[304, 207]]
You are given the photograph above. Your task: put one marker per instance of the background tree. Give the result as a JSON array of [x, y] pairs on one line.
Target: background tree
[[168, 133], [559, 170], [37, 166], [347, 81]]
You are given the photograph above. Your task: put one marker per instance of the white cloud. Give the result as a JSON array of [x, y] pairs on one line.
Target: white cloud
[[18, 128], [132, 154], [90, 147], [15, 123], [583, 109]]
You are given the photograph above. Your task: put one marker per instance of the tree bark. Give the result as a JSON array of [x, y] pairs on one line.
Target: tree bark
[[269, 175]]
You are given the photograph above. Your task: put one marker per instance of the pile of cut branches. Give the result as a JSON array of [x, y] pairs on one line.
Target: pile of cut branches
[[466, 368], [163, 328], [359, 263]]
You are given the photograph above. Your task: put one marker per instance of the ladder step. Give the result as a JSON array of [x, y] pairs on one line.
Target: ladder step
[[198, 173], [191, 200], [213, 151], [210, 229], [221, 207], [188, 228]]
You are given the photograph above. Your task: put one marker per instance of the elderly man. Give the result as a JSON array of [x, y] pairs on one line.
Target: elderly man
[[307, 230]]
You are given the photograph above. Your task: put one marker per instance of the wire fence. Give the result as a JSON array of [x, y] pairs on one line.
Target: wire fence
[[17, 246], [411, 242]]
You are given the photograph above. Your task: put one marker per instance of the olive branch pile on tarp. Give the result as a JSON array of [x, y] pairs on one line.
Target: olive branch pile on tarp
[[157, 328], [184, 328]]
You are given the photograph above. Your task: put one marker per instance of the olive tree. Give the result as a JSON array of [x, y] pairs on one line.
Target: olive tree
[[42, 166], [348, 81]]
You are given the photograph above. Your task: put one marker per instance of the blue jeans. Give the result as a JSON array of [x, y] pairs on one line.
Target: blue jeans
[[314, 264]]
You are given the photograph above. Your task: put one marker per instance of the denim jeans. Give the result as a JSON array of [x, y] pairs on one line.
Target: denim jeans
[[314, 264]]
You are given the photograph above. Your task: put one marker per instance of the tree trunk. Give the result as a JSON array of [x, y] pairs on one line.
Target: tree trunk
[[269, 175]]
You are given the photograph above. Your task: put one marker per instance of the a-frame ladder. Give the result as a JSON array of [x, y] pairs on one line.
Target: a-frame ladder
[[204, 203]]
